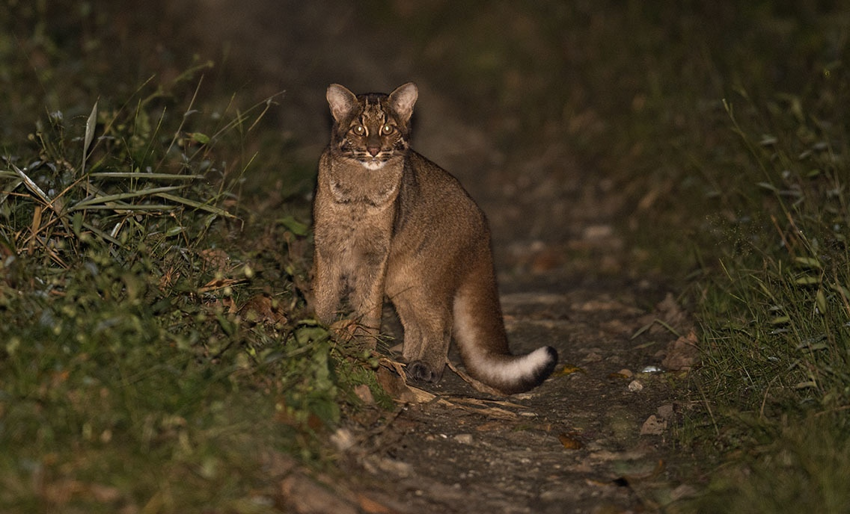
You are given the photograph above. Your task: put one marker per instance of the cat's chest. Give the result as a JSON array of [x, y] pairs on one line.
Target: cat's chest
[[359, 189], [357, 234]]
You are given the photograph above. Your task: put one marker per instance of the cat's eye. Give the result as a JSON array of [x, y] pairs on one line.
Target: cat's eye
[[387, 129], [359, 130]]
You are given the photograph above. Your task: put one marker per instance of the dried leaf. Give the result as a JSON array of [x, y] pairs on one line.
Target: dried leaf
[[214, 258], [569, 442], [683, 353], [370, 506], [568, 369], [390, 376], [105, 199], [196, 205], [477, 385], [219, 283], [32, 186], [91, 124], [262, 308]]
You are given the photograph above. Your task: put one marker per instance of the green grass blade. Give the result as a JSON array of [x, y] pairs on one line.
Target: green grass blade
[[122, 196], [197, 205], [149, 176]]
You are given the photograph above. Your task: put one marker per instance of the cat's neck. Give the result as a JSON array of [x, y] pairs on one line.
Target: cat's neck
[[353, 182]]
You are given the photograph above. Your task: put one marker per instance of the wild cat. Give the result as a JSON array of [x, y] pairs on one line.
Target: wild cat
[[390, 222]]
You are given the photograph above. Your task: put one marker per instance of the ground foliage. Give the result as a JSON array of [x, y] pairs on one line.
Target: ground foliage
[[150, 359]]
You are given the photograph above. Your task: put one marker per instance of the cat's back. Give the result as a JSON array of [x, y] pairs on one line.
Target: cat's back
[[429, 192], [435, 182]]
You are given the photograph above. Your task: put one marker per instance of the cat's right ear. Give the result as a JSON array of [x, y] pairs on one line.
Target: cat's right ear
[[342, 102]]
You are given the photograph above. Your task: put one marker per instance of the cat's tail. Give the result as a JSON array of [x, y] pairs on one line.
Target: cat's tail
[[480, 334]]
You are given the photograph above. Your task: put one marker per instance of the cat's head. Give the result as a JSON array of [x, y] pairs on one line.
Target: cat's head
[[371, 129]]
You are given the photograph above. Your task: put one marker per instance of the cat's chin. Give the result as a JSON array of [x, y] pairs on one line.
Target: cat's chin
[[373, 165]]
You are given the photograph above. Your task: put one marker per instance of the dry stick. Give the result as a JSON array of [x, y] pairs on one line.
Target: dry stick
[[478, 386]]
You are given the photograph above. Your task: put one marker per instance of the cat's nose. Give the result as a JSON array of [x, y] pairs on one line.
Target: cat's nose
[[373, 150]]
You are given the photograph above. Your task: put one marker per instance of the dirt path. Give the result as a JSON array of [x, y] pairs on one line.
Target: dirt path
[[594, 439]]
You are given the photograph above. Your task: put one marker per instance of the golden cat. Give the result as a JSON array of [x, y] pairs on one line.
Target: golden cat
[[390, 222]]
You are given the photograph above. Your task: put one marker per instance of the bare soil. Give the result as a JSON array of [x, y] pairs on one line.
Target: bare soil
[[596, 438]]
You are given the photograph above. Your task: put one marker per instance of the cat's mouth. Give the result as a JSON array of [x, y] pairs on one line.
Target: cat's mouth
[[373, 162]]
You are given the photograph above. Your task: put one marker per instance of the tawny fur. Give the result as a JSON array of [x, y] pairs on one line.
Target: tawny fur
[[388, 222]]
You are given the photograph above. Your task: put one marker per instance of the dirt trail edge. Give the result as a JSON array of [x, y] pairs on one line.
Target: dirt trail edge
[[593, 438]]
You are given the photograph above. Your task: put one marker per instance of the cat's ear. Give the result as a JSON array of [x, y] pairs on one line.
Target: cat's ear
[[402, 99], [342, 101]]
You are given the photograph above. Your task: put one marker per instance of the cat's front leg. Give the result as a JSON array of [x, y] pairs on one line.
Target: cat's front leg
[[368, 294], [327, 288]]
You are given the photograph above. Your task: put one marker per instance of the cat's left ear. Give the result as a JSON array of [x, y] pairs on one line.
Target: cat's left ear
[[402, 99]]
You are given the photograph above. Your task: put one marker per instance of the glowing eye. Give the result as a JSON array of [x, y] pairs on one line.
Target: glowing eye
[[359, 130], [387, 129]]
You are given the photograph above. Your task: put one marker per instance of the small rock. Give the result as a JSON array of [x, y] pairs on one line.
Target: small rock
[[653, 426], [666, 411], [464, 438], [592, 357], [683, 491], [635, 386], [598, 232], [384, 465], [364, 393], [626, 373], [343, 439]]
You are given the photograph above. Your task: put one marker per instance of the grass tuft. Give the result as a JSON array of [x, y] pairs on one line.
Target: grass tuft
[[153, 351]]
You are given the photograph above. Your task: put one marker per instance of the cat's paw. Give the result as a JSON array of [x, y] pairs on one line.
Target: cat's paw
[[418, 370]]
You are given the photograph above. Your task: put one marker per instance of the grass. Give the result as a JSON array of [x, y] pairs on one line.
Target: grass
[[775, 321], [154, 356]]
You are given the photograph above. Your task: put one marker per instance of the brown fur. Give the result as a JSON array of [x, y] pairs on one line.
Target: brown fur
[[390, 222]]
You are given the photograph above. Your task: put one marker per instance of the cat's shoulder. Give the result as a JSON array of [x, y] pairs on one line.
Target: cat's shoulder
[[424, 165]]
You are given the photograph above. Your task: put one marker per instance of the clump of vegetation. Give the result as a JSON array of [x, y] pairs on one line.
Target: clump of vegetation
[[145, 359], [775, 321], [784, 309]]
